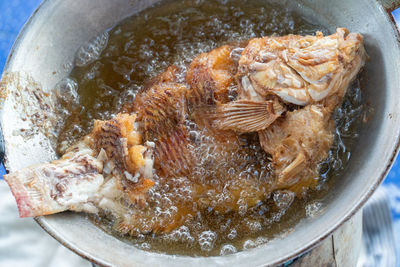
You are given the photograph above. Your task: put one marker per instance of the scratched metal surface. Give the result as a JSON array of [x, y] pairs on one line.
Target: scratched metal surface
[[14, 13]]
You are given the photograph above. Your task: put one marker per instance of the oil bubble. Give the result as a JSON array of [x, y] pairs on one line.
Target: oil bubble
[[228, 249], [66, 91], [232, 234], [249, 244], [313, 209], [283, 198], [91, 51], [207, 240]]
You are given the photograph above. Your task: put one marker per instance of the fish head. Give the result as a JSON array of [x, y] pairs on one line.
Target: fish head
[[300, 70]]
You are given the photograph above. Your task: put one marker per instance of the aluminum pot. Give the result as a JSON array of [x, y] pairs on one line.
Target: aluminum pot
[[42, 56]]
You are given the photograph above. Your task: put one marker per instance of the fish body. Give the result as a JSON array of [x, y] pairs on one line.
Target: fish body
[[288, 88], [65, 184], [248, 120], [188, 149], [293, 69], [109, 164]]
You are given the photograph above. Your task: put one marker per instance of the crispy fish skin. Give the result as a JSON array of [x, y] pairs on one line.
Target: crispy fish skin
[[64, 184], [210, 75], [121, 142], [301, 69], [163, 108], [310, 71], [76, 180], [162, 111], [126, 157]]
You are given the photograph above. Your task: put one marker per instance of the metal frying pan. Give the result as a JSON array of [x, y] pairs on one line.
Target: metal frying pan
[[37, 63]]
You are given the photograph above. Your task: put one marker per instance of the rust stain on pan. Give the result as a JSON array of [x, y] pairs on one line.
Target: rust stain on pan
[[389, 11]]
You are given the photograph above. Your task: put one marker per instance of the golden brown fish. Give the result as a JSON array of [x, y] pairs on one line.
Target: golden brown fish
[[300, 70], [162, 111], [210, 75], [112, 154], [311, 71], [188, 150], [157, 167], [297, 143]]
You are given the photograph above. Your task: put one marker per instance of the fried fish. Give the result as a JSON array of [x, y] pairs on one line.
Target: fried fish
[[250, 119], [293, 69]]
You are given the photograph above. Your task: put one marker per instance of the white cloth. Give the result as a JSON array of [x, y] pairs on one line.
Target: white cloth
[[24, 243]]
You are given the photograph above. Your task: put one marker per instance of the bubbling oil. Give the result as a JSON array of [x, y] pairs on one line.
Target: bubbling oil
[[109, 71]]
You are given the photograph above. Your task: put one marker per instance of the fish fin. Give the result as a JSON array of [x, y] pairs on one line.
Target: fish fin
[[296, 166], [172, 155], [247, 116]]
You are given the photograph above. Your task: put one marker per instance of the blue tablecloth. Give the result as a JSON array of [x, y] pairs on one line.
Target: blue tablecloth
[[14, 13]]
